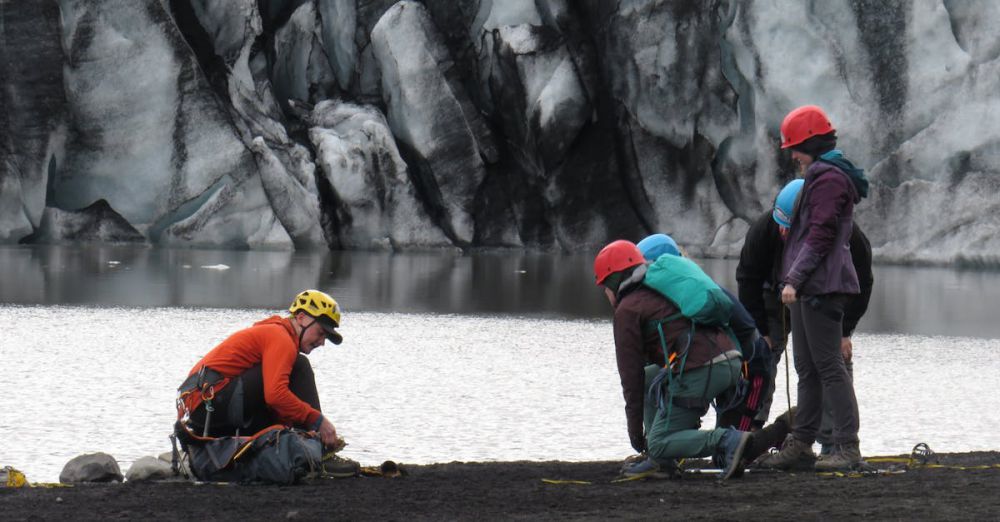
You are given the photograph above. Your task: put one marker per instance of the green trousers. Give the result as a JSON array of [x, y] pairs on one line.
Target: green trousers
[[678, 436]]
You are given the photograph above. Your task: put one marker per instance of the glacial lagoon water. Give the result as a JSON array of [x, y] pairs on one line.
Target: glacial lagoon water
[[493, 356]]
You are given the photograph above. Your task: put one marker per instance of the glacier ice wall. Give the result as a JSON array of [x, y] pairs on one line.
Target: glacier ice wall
[[540, 124], [33, 114]]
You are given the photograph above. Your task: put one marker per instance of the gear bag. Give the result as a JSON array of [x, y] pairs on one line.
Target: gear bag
[[275, 455]]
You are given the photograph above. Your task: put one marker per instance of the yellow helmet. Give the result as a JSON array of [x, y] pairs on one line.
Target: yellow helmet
[[321, 306]]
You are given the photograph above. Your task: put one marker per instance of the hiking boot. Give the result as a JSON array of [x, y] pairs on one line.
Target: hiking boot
[[335, 466], [843, 457], [770, 436], [824, 450], [633, 459], [731, 449], [795, 455], [649, 468]]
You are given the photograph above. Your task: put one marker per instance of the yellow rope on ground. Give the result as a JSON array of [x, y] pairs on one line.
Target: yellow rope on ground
[[634, 477], [905, 460], [960, 468], [858, 474], [13, 478], [917, 460], [561, 482]]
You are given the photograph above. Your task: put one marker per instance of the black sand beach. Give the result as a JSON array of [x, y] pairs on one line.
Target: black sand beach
[[961, 486]]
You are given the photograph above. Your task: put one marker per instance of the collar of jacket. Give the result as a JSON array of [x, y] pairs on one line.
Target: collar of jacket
[[633, 281]]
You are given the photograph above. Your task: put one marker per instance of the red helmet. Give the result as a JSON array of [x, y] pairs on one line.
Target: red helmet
[[804, 123], [615, 257]]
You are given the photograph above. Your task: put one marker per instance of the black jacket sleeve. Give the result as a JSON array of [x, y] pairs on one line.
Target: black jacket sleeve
[[861, 255], [757, 259]]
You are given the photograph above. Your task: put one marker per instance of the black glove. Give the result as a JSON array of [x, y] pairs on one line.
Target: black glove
[[638, 443]]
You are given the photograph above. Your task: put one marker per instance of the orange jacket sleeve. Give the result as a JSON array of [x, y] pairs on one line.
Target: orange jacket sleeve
[[278, 357]]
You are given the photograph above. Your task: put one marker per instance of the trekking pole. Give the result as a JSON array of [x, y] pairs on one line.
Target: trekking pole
[[175, 456]]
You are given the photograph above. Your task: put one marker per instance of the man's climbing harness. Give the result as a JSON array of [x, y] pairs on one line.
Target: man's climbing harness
[[200, 387], [277, 454]]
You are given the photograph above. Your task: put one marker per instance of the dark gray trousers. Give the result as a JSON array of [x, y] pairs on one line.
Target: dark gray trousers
[[825, 435], [816, 334]]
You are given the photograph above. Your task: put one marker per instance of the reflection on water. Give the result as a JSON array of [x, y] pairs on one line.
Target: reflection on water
[[925, 301], [508, 282]]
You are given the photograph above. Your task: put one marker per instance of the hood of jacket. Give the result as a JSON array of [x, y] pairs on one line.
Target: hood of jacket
[[633, 281], [836, 158], [277, 319]]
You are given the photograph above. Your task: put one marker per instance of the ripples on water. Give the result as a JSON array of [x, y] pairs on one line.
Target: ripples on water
[[422, 388]]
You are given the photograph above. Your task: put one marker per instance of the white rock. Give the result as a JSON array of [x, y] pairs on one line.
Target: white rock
[[148, 469], [92, 467]]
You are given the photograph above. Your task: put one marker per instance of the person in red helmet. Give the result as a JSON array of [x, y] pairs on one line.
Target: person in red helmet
[[703, 363], [817, 278], [758, 274]]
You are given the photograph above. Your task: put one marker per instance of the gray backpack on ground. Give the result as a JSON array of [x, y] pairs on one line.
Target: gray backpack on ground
[[279, 455]]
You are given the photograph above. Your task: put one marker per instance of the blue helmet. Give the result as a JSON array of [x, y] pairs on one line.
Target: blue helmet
[[784, 205], [656, 245]]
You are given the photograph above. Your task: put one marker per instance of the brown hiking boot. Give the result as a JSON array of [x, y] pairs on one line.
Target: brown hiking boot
[[770, 436], [335, 466], [794, 456], [844, 457]]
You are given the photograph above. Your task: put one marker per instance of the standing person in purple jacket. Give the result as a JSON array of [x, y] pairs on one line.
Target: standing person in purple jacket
[[818, 276]]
